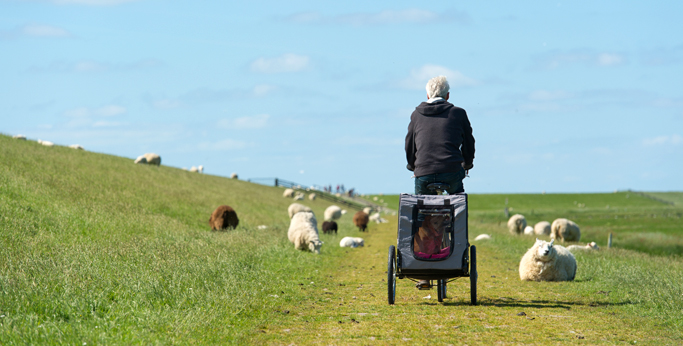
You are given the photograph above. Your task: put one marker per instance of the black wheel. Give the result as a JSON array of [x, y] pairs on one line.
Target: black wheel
[[473, 274], [441, 290], [391, 275]]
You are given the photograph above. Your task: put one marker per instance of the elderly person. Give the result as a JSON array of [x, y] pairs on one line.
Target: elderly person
[[439, 144]]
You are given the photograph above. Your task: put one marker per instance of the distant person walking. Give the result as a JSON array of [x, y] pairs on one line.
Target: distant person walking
[[439, 144]]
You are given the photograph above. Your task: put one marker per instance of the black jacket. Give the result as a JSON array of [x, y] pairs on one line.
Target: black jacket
[[439, 139]]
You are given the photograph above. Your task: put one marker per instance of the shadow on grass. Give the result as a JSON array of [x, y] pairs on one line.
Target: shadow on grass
[[540, 304]]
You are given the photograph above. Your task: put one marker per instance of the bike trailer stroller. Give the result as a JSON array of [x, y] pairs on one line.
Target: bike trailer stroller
[[432, 244]]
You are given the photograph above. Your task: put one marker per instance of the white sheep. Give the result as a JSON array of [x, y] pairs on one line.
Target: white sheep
[[545, 262], [296, 208], [376, 217], [528, 230], [233, 176], [590, 246], [46, 143], [517, 224], [200, 169], [76, 146], [312, 197], [344, 211], [367, 210], [542, 228], [19, 137], [149, 158], [303, 232], [482, 237], [289, 193], [352, 242], [299, 196], [262, 227], [332, 213], [565, 230], [193, 169]]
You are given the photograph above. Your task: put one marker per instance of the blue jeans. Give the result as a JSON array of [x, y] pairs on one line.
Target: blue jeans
[[453, 179]]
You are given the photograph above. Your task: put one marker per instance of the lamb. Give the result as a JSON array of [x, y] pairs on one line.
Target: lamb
[[332, 213], [377, 218], [528, 230], [361, 221], [565, 230], [542, 228], [296, 208], [223, 217], [46, 143], [19, 137], [303, 232], [516, 224], [352, 242], [482, 237], [76, 146], [590, 246], [330, 226], [149, 158], [545, 262], [289, 193]]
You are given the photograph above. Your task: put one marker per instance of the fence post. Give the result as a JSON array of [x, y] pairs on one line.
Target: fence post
[[276, 182], [609, 241]]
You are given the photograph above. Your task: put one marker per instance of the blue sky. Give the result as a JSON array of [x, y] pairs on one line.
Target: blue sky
[[578, 96]]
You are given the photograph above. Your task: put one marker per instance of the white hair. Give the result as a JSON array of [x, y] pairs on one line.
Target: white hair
[[437, 87]]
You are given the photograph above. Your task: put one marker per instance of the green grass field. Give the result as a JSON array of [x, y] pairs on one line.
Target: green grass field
[[97, 250]]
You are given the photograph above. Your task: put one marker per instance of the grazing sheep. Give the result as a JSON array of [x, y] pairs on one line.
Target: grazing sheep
[[76, 146], [312, 197], [193, 169], [303, 232], [367, 210], [542, 228], [528, 230], [332, 213], [517, 224], [289, 193], [361, 221], [565, 230], [233, 176], [344, 211], [19, 137], [329, 227], [200, 169], [296, 208], [590, 246], [149, 158], [545, 262], [482, 237], [223, 217], [45, 143], [299, 196], [352, 242]]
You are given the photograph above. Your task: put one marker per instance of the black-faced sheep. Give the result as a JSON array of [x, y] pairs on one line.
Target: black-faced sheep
[[565, 230], [330, 227], [223, 217], [545, 262], [303, 232], [361, 221]]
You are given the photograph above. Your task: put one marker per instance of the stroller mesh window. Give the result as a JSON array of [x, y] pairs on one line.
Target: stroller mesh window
[[433, 236]]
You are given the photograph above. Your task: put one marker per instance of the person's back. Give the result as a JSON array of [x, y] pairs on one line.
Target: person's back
[[439, 143]]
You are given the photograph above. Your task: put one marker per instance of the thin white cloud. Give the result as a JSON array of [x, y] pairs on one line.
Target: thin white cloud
[[107, 124], [663, 140], [609, 59], [90, 2], [386, 17], [89, 66], [226, 144], [418, 77], [105, 111], [249, 122], [166, 104], [281, 64], [559, 59], [36, 31], [263, 89]]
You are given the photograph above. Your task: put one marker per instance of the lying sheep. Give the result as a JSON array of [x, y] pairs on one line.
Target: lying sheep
[[312, 197], [45, 143], [542, 228], [297, 208], [377, 218], [361, 221], [330, 226], [545, 262], [299, 196], [517, 224], [289, 193], [19, 137], [590, 246], [352, 242], [565, 230], [76, 146], [344, 211], [223, 217], [332, 213], [193, 169], [528, 230], [482, 237], [303, 232], [149, 158]]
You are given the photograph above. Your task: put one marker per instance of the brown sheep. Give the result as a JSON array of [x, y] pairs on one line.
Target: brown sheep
[[329, 227], [361, 221], [223, 217]]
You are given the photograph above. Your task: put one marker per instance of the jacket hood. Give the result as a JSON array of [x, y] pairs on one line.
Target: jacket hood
[[427, 109]]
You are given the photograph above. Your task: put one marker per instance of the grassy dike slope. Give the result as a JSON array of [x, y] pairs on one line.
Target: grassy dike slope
[[96, 250]]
